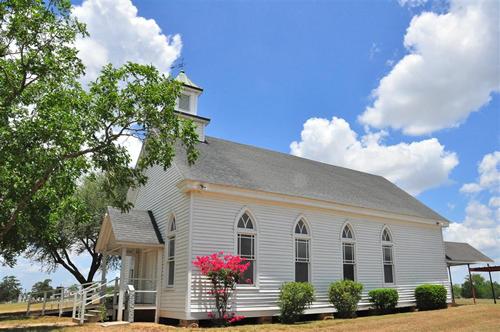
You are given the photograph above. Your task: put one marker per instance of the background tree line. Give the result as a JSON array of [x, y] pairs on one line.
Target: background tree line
[[482, 288]]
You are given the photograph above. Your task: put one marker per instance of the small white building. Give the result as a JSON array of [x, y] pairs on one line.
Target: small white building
[[294, 219]]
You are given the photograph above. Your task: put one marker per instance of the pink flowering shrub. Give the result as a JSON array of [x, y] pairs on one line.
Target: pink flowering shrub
[[224, 272]]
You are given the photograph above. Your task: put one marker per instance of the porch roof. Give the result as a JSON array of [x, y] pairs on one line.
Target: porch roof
[[458, 253], [136, 228]]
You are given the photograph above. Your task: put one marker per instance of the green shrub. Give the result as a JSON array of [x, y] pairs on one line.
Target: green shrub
[[384, 299], [345, 295], [294, 298], [430, 297]]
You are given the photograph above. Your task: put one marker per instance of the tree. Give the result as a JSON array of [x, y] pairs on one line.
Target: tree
[[481, 287], [53, 131], [457, 290], [77, 226], [10, 288], [42, 286]]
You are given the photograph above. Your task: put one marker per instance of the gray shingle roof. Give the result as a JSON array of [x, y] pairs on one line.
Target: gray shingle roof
[[458, 252], [136, 226], [244, 166]]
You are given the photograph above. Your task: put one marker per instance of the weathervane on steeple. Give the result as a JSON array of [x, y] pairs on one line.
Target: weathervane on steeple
[[179, 65]]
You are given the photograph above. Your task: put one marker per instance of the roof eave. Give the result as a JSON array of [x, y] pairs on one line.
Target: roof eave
[[188, 185]]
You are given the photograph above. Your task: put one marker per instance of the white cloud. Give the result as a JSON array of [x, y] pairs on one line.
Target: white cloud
[[118, 35], [451, 70], [415, 166], [489, 175], [482, 238], [481, 225], [470, 188], [412, 3]]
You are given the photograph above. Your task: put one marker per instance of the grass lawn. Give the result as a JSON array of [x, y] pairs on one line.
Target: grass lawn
[[21, 307], [470, 301], [480, 317]]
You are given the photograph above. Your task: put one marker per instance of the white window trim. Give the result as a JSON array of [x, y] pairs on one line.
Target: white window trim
[[255, 233], [307, 237], [389, 244], [355, 249], [168, 259]]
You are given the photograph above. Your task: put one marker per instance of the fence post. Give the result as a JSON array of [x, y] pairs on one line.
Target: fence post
[[44, 301], [29, 305], [82, 307], [61, 301], [115, 292], [75, 299]]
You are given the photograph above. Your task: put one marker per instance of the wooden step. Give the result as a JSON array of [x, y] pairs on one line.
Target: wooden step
[[77, 320], [92, 318]]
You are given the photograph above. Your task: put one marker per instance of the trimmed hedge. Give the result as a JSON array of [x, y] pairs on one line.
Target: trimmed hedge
[[345, 295], [294, 298], [430, 297], [384, 299]]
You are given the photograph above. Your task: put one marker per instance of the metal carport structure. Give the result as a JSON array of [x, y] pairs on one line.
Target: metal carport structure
[[458, 253]]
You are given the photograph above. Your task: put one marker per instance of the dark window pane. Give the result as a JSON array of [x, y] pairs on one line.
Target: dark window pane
[[348, 253], [297, 229], [171, 247], [248, 276], [302, 249], [388, 275], [301, 272], [348, 271], [387, 254], [386, 236], [241, 223], [246, 246], [171, 272], [346, 233], [184, 102]]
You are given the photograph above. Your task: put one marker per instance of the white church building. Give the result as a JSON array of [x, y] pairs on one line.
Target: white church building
[[294, 219]]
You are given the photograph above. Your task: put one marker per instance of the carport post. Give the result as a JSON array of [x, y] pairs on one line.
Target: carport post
[[492, 287], [451, 284], [472, 285]]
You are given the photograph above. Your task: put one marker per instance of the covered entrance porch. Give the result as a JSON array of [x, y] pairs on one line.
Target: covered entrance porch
[[135, 240]]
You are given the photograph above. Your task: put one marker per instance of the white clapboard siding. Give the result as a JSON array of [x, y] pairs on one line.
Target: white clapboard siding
[[163, 198], [418, 252]]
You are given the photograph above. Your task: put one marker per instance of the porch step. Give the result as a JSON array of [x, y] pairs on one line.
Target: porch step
[[92, 318], [88, 318]]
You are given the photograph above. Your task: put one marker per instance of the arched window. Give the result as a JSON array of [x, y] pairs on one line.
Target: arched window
[[172, 227], [302, 251], [387, 256], [246, 233], [348, 253]]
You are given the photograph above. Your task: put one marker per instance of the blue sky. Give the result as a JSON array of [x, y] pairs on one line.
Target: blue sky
[[269, 66]]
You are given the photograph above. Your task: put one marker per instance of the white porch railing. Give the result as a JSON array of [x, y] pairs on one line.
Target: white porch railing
[[52, 301], [91, 295]]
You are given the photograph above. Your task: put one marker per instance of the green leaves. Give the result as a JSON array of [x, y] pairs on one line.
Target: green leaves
[[430, 297], [345, 295], [294, 298], [384, 299], [53, 131]]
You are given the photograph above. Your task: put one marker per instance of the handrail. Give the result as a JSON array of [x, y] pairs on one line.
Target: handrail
[[87, 296]]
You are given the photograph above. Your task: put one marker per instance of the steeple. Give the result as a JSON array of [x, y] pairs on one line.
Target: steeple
[[188, 99], [187, 103]]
